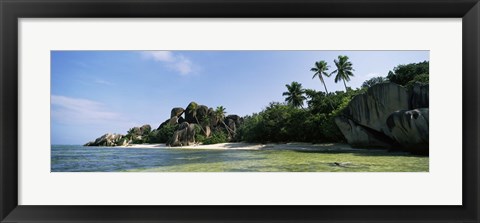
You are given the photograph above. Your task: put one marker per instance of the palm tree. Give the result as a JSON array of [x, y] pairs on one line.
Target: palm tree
[[320, 69], [193, 111], [220, 115], [344, 70], [294, 94]]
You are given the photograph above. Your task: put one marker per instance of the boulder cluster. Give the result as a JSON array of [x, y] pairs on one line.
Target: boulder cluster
[[389, 116], [109, 139], [185, 124]]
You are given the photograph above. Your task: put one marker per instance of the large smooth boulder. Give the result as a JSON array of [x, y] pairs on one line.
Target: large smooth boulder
[[176, 112], [173, 120], [410, 129], [142, 130], [202, 113], [372, 108], [108, 139], [384, 116], [139, 134], [195, 113], [190, 111], [361, 136], [419, 96], [184, 136], [237, 119]]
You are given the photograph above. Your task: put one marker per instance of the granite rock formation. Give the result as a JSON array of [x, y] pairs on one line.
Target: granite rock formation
[[389, 116], [109, 139]]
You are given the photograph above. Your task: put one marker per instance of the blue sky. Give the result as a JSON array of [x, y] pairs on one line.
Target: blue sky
[[95, 92]]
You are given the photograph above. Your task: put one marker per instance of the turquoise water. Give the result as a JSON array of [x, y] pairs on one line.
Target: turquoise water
[[108, 159]]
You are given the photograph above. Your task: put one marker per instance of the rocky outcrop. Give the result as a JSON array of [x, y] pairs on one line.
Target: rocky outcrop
[[419, 97], [372, 108], [176, 112], [410, 129], [109, 139], [182, 123], [383, 117], [237, 119], [361, 136], [184, 136], [190, 112], [202, 113], [164, 123], [139, 134], [173, 120]]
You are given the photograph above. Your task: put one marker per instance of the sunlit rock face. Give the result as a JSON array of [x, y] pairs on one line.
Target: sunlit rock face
[[384, 117], [109, 139], [176, 112]]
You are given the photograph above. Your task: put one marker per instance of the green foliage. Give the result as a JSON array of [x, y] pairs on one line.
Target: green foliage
[[139, 135], [422, 78], [320, 70], [295, 94], [216, 137], [197, 128], [192, 109], [283, 123], [163, 134], [374, 80], [403, 74], [200, 138], [344, 100], [344, 70], [146, 130]]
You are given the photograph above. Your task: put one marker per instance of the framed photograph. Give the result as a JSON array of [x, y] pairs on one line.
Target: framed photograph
[[124, 111]]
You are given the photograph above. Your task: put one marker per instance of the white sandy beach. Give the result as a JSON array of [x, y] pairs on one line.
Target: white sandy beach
[[249, 146]]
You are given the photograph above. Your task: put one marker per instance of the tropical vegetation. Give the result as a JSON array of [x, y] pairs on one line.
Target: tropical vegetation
[[306, 115]]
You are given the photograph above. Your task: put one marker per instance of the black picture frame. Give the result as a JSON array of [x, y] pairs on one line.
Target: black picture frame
[[12, 10]]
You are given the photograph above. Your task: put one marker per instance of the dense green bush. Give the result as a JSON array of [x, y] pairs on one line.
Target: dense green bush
[[422, 78], [284, 123], [163, 134], [403, 74], [216, 137], [199, 137]]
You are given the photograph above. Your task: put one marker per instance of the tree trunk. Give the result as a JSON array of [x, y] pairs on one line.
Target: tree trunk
[[329, 101], [201, 127], [229, 130], [346, 89], [325, 88]]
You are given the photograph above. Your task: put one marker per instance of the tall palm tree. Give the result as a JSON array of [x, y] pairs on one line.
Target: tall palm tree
[[193, 111], [320, 69], [220, 115], [344, 70], [294, 94]]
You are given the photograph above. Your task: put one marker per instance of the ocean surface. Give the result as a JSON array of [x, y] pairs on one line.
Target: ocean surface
[[74, 158]]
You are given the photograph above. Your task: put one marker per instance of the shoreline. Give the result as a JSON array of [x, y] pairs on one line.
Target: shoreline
[[250, 146]]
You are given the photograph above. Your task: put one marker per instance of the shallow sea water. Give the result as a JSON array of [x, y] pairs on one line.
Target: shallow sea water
[[68, 158]]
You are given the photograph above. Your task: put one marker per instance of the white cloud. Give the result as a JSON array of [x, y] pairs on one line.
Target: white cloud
[[183, 65], [163, 56], [175, 62], [69, 110]]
